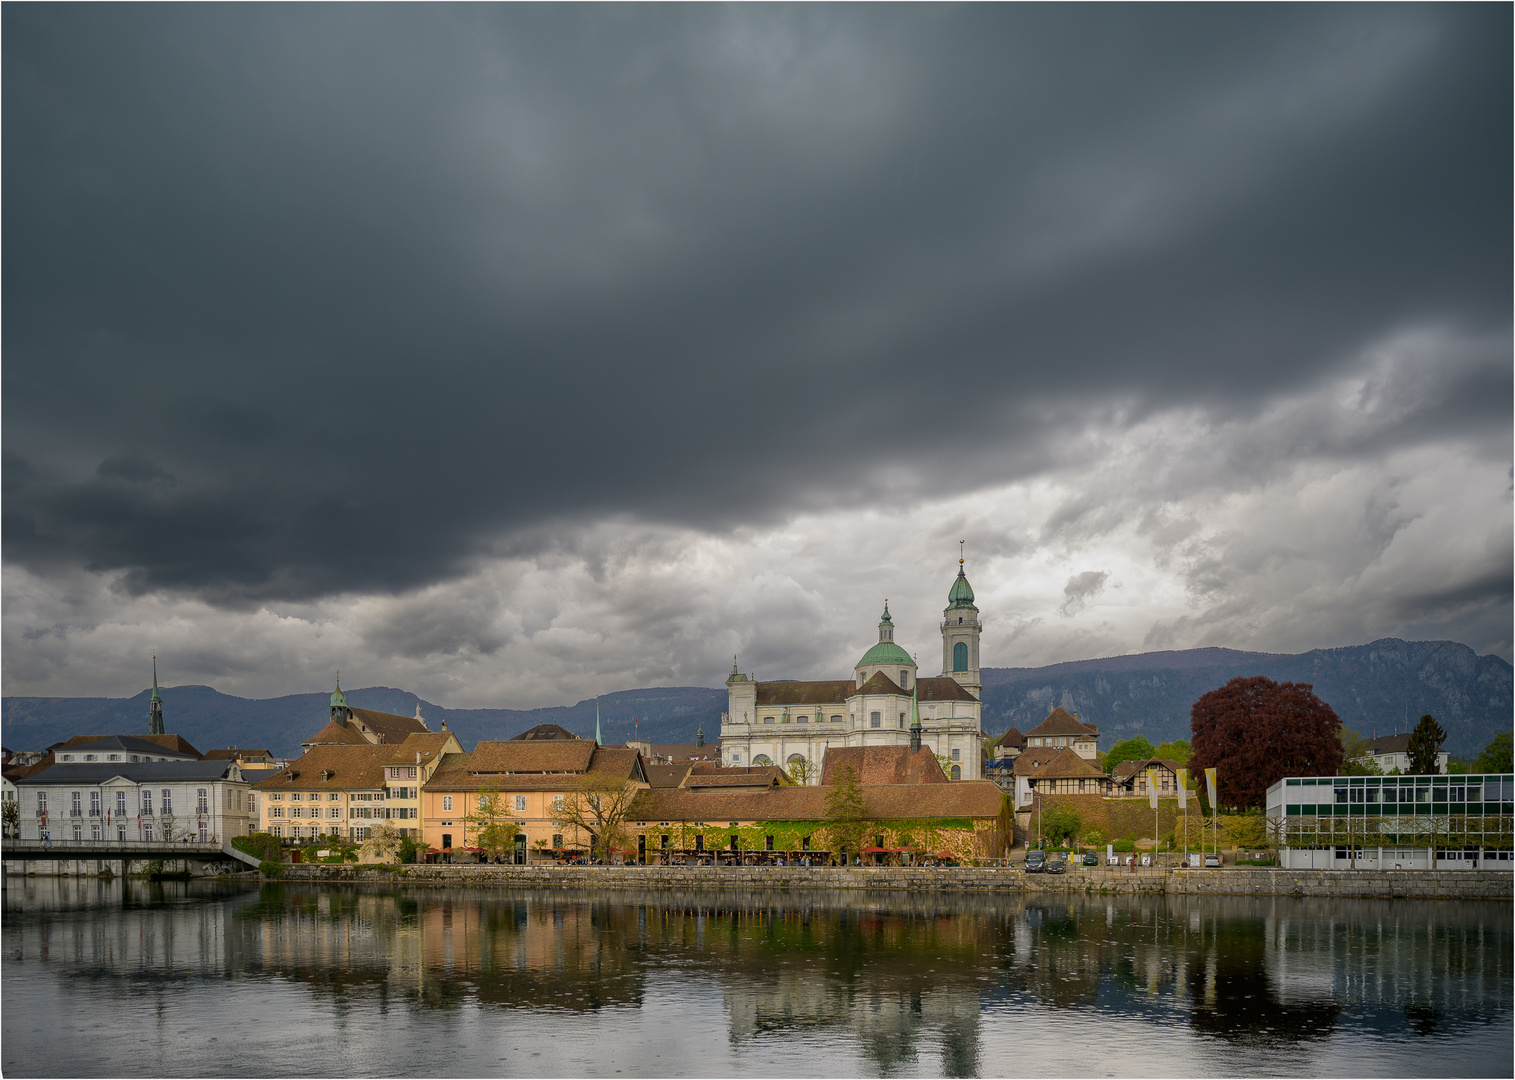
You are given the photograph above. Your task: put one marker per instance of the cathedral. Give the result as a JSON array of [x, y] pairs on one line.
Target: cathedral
[[793, 724]]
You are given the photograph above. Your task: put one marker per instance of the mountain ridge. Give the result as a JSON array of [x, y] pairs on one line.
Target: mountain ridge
[[1381, 687]]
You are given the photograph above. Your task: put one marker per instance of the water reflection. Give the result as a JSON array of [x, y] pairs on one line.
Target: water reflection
[[882, 983]]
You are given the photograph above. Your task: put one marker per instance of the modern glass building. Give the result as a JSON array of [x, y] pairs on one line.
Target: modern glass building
[[1393, 822]]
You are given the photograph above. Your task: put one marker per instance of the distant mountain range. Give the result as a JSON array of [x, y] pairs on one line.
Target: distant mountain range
[[1379, 688]]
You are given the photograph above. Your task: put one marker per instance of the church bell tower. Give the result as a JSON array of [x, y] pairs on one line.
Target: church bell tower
[[960, 631], [155, 706]]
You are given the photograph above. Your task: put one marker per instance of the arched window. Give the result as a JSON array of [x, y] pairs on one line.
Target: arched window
[[957, 772], [762, 759], [767, 719], [836, 719], [960, 656]]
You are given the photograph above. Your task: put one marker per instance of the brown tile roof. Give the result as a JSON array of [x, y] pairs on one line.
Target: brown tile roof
[[335, 734], [828, 692], [544, 731], [1034, 758], [231, 753], [1061, 722], [345, 768], [941, 688], [973, 799], [427, 746], [537, 756], [461, 772], [882, 765], [709, 777], [880, 683], [1131, 768], [1013, 737], [1066, 764], [392, 726], [1388, 744], [667, 776]]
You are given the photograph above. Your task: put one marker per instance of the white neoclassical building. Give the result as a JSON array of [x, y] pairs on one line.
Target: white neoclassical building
[[780, 723]]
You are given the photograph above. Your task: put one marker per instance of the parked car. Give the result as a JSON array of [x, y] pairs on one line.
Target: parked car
[[1091, 859], [1036, 861], [1211, 861], [1056, 866]]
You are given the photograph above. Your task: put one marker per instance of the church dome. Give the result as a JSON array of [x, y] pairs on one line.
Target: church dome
[[338, 699], [961, 595], [885, 653]]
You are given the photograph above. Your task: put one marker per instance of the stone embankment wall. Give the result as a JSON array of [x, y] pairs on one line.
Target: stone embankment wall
[[1363, 884], [1418, 884]]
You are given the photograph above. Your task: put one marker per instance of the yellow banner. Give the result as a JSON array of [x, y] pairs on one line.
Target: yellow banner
[[1210, 787], [1183, 789], [1152, 787]]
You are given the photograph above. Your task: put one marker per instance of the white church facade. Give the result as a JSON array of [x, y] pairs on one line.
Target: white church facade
[[782, 723]]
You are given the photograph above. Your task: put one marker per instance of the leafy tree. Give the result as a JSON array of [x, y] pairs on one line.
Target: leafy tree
[[1060, 823], [1495, 757], [1425, 744], [11, 815], [492, 825], [1177, 750], [846, 816], [596, 807], [383, 844], [1136, 748], [1254, 731], [801, 770], [1356, 760]]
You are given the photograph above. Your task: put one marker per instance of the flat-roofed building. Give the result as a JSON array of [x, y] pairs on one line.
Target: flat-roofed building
[[1393, 822]]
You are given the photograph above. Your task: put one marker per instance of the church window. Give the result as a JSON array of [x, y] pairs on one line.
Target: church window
[[957, 755], [767, 719], [960, 656], [875, 719], [836, 719], [802, 719], [902, 719], [957, 772], [904, 679], [762, 759]]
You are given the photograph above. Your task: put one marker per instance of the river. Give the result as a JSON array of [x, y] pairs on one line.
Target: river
[[246, 979]]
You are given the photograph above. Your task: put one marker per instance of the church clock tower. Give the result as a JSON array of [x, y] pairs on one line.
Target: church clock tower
[[155, 706], [960, 631]]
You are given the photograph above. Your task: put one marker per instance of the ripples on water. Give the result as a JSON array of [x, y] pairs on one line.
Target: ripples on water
[[201, 979]]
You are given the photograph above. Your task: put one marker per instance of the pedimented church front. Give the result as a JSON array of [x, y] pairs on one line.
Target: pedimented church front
[[885, 703]]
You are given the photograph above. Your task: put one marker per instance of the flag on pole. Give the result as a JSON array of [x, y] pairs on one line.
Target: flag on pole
[[1210, 787], [1183, 789], [1152, 788]]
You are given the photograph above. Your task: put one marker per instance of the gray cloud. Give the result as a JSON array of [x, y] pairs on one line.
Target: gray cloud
[[1082, 588], [318, 307]]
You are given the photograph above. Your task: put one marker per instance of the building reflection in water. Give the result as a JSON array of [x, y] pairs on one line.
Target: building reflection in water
[[902, 978]]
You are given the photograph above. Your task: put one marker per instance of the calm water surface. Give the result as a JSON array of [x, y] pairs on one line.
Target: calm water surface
[[199, 979]]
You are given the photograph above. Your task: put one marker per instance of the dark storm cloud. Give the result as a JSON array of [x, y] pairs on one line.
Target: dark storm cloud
[[304, 300]]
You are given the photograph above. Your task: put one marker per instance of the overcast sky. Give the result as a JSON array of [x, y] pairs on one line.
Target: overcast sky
[[513, 355]]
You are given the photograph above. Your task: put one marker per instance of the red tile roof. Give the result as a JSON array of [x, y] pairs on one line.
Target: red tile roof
[[1130, 768], [476, 771], [1013, 737], [709, 777], [882, 765], [1034, 758]]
